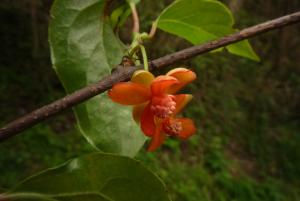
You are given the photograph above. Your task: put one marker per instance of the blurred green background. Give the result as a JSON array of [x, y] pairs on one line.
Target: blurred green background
[[248, 114]]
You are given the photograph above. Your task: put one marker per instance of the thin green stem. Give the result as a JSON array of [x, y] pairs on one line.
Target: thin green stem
[[137, 41], [153, 30], [145, 59]]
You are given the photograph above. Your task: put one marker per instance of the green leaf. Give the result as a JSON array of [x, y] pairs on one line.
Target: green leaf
[[244, 49], [119, 15], [60, 197], [117, 178], [82, 197], [121, 12], [83, 51], [200, 21], [26, 197]]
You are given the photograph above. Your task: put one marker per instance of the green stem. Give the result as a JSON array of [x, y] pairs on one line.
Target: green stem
[[153, 29], [145, 59], [138, 39]]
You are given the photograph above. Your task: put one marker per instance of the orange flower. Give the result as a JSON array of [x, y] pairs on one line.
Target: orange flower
[[172, 127], [154, 105]]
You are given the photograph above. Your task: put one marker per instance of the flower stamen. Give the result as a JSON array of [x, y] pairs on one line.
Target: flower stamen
[[163, 107], [172, 127]]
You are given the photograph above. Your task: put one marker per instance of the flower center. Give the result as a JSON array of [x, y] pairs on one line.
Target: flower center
[[163, 107], [172, 127]]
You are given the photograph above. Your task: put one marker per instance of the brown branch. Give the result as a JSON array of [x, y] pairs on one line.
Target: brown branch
[[122, 74]]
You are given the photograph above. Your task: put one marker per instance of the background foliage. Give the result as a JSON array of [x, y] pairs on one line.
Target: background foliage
[[247, 145]]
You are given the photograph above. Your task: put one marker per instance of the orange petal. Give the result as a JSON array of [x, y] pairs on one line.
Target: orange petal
[[128, 93], [161, 84], [147, 122], [157, 139], [137, 111], [188, 128], [142, 77], [183, 75], [181, 101]]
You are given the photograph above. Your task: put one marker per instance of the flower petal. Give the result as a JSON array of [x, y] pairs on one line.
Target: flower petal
[[181, 101], [161, 84], [157, 139], [128, 93], [137, 111], [147, 121], [183, 75], [142, 77], [188, 128]]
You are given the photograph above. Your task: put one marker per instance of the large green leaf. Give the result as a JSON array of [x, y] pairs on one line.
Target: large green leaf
[[83, 50], [26, 197], [199, 21], [82, 197], [118, 178], [60, 197]]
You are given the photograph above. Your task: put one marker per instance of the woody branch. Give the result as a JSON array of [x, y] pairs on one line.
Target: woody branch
[[122, 74]]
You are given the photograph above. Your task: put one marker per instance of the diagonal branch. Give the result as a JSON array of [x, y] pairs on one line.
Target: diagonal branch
[[122, 74]]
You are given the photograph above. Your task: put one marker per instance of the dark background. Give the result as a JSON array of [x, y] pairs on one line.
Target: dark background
[[248, 114]]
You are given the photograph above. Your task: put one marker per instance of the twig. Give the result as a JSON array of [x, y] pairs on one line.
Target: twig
[[122, 74], [135, 19]]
